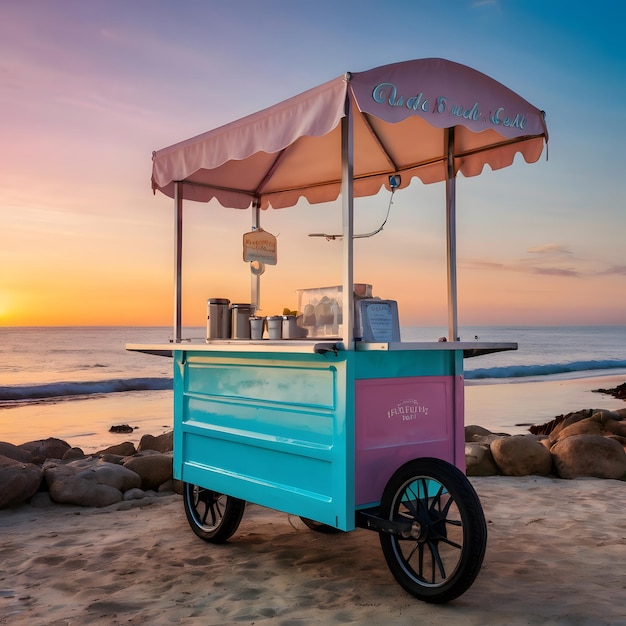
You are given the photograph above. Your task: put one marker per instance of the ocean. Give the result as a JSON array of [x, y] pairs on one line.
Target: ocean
[[74, 383]]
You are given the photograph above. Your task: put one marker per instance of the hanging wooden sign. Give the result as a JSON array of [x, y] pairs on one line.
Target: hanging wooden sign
[[259, 245]]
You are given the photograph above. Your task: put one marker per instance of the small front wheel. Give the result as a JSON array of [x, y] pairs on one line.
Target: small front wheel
[[444, 552], [212, 516]]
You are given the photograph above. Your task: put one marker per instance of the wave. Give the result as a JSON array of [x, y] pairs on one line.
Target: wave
[[26, 393], [522, 371]]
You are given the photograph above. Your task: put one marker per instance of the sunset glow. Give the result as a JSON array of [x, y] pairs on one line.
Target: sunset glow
[[88, 92]]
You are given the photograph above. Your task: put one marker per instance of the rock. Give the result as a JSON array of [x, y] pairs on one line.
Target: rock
[[604, 415], [617, 392], [72, 490], [548, 427], [620, 440], [154, 469], [589, 455], [121, 449], [586, 426], [43, 449], [479, 460], [615, 427], [478, 434], [121, 428], [134, 494], [172, 486], [15, 452], [472, 431], [88, 482], [558, 423], [116, 459], [72, 454], [18, 481], [110, 474], [162, 443], [521, 455]]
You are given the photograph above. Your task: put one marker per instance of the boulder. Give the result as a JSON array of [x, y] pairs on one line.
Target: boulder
[[15, 452], [618, 438], [478, 434], [116, 459], [586, 426], [589, 455], [73, 454], [161, 443], [154, 469], [18, 481], [42, 449], [88, 482], [117, 476], [604, 415], [479, 460], [134, 494], [615, 427], [121, 449], [473, 431], [173, 485], [521, 455], [558, 423]]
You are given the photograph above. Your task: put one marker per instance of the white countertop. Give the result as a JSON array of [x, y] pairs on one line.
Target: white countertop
[[470, 348]]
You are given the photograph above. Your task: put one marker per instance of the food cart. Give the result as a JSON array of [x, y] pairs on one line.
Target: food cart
[[337, 420]]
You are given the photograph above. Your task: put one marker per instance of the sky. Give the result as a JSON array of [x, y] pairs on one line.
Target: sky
[[88, 90]]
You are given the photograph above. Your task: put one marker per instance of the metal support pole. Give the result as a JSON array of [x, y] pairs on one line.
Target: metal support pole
[[255, 278], [451, 237], [178, 262], [347, 211]]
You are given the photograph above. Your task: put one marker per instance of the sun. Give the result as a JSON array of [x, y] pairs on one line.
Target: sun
[[7, 312]]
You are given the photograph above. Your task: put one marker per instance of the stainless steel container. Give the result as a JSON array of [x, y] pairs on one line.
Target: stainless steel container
[[256, 327], [274, 326], [290, 328], [241, 321], [218, 319]]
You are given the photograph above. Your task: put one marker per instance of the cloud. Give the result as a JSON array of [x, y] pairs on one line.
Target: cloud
[[614, 270], [556, 271], [550, 259], [550, 249], [480, 264]]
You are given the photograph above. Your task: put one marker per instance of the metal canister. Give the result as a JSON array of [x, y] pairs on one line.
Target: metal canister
[[218, 319], [256, 327], [274, 326], [241, 321], [289, 327]]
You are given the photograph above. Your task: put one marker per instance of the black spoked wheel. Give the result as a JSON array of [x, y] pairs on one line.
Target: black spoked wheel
[[444, 552], [319, 527], [212, 516]]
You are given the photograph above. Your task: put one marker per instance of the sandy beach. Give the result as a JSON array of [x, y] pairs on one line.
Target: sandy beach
[[555, 555]]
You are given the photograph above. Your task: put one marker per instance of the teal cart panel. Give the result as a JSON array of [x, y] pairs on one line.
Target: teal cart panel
[[274, 428]]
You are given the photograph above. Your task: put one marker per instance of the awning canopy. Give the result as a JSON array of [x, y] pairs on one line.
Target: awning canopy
[[401, 116]]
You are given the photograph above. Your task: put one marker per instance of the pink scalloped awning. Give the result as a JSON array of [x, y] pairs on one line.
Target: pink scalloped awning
[[401, 114]]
